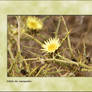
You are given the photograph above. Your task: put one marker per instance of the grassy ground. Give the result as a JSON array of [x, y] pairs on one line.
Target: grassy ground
[[71, 59]]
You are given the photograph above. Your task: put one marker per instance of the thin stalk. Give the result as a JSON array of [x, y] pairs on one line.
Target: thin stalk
[[88, 70], [41, 69], [33, 53], [58, 26], [84, 65], [84, 49], [51, 59], [42, 36], [65, 37], [84, 52], [68, 38], [63, 60], [81, 64], [58, 71], [10, 52], [30, 59], [46, 17], [33, 38], [30, 47], [19, 28], [12, 57], [70, 62], [33, 70]]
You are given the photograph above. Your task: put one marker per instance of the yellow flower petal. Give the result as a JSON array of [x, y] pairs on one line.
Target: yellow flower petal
[[34, 23], [51, 45]]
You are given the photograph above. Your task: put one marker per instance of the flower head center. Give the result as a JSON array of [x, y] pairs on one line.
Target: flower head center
[[52, 47], [33, 24]]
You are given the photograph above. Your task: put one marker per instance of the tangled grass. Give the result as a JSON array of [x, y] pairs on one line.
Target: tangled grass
[[41, 46]]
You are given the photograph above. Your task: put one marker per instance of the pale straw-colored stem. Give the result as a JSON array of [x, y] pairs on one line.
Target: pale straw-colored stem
[[68, 38]]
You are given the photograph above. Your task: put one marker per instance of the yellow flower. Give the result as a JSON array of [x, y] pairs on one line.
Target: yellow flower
[[51, 45], [34, 23]]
